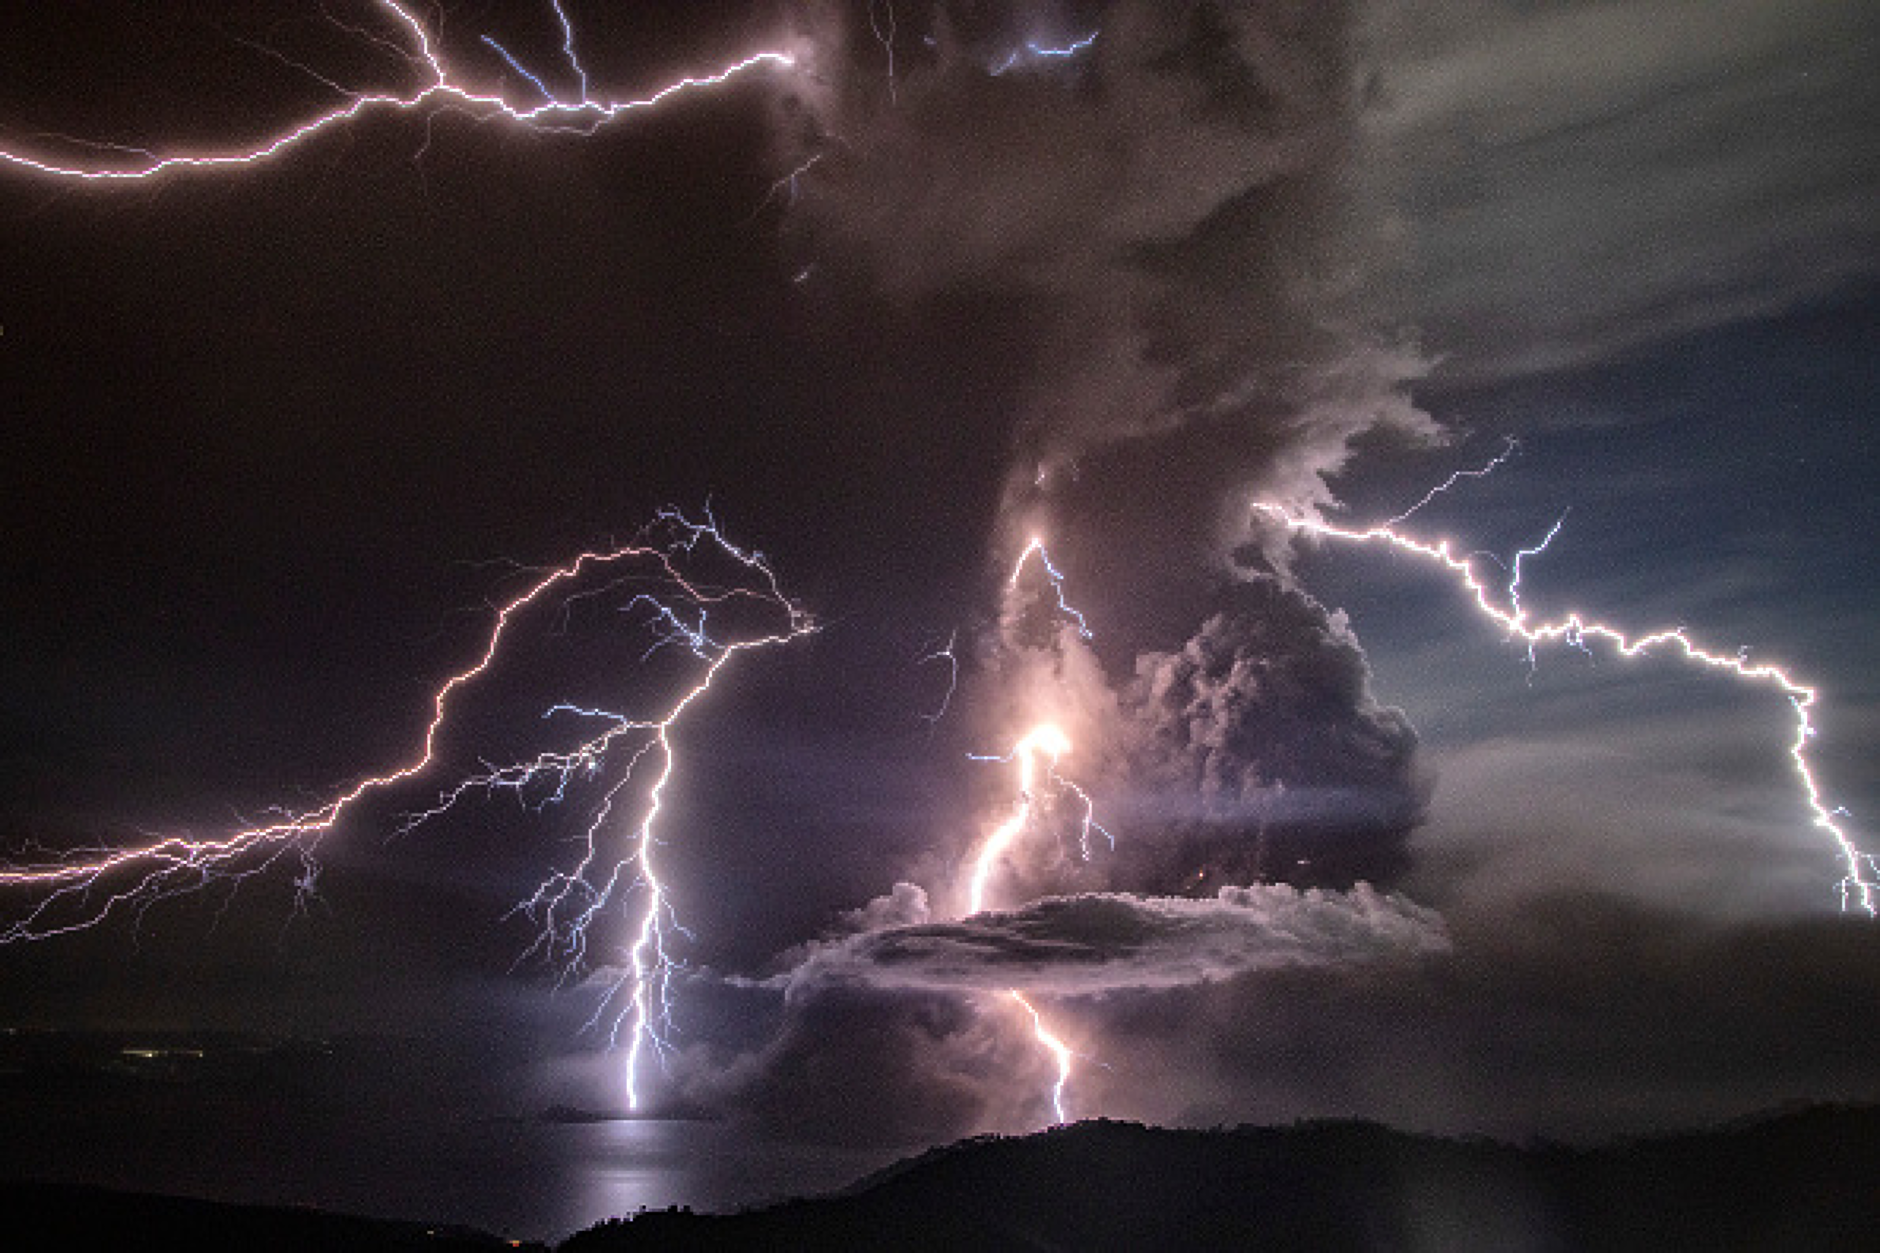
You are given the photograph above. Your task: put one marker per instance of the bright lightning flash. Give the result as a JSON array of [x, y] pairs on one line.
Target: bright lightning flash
[[439, 88], [1036, 754], [86, 888], [1044, 740], [1858, 885]]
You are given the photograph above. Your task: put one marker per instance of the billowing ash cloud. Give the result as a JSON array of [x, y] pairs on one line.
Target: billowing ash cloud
[[1161, 224], [1257, 750], [895, 1033], [1101, 942], [1151, 252]]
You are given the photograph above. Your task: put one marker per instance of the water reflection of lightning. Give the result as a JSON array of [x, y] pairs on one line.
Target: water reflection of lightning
[[439, 88], [89, 886], [1858, 884]]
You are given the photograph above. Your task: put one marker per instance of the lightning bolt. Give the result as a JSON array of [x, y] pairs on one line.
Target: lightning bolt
[[1857, 886], [1034, 51], [76, 892], [1036, 547], [1043, 740], [1509, 447], [1036, 755], [886, 39], [439, 88], [1046, 741], [1060, 1053], [948, 653]]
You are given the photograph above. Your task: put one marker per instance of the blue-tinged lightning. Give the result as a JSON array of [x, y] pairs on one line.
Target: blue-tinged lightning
[[1033, 52], [440, 86], [1036, 548], [1509, 447], [1858, 884]]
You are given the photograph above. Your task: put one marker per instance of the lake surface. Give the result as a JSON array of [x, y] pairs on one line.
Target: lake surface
[[547, 1180], [346, 1129], [535, 1180]]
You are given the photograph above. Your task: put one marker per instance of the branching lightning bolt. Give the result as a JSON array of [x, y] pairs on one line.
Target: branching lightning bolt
[[1044, 740], [1036, 546], [440, 88], [1047, 741], [90, 886], [949, 653], [886, 39], [1858, 884], [1036, 755]]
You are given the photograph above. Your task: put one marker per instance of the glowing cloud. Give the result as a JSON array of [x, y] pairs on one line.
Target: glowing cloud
[[1109, 942]]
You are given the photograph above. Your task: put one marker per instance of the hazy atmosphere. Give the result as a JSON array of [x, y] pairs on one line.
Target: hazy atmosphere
[[979, 707]]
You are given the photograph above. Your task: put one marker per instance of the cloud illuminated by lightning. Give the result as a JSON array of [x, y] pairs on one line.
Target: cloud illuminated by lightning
[[1858, 885], [1036, 755], [86, 888], [440, 87], [1046, 741]]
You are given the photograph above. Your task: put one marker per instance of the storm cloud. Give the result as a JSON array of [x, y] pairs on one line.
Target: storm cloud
[[1259, 749], [1162, 222], [1104, 942], [1571, 181]]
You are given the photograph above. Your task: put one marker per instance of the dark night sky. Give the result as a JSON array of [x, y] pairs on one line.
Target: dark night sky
[[272, 434]]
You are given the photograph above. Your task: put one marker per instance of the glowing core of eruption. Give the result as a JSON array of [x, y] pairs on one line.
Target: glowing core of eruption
[[1044, 739]]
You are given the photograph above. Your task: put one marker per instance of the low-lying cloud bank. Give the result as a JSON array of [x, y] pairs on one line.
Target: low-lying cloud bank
[[1105, 942]]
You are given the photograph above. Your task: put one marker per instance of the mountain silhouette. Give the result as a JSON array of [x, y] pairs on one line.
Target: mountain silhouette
[[1805, 1179]]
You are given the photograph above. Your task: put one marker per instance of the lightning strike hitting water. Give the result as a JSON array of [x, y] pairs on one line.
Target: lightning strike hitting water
[[1858, 885], [89, 886], [440, 88]]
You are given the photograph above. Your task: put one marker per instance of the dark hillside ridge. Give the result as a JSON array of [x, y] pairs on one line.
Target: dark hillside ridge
[[1806, 1179], [56, 1218], [1801, 1180]]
